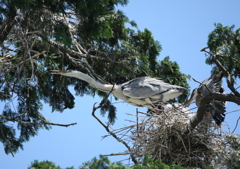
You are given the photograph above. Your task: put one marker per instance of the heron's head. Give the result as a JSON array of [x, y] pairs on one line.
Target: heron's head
[[217, 76], [193, 97], [64, 73]]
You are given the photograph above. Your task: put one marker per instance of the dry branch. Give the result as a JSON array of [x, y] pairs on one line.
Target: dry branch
[[35, 123], [110, 132]]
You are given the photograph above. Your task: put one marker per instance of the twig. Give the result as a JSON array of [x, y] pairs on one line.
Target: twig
[[117, 154], [137, 122], [225, 56], [107, 129], [227, 74], [202, 84], [236, 125], [41, 122], [232, 111]]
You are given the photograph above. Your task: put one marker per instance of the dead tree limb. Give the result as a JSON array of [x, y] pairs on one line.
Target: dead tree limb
[[36, 123], [110, 132]]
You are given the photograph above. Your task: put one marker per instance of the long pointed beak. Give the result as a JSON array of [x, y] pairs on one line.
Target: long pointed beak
[[58, 72], [192, 98], [189, 102]]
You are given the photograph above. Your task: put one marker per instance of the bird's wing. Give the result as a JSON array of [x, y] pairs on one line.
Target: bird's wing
[[215, 108], [144, 87], [213, 83]]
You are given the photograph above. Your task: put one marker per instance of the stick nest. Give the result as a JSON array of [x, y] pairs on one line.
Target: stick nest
[[164, 137]]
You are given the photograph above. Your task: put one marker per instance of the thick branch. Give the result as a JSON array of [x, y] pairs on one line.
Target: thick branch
[[7, 26], [229, 79], [203, 106]]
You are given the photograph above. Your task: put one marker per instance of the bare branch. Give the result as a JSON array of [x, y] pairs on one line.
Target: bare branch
[[202, 84], [117, 154], [110, 132], [41, 122], [203, 107], [236, 125]]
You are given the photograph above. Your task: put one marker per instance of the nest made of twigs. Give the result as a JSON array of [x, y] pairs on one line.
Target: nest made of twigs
[[163, 137]]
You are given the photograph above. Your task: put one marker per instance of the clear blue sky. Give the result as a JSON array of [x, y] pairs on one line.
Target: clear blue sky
[[182, 27]]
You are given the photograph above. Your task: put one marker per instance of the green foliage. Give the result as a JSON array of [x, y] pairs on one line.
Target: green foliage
[[170, 72], [104, 163], [42, 41], [10, 143], [148, 47], [43, 165], [149, 163], [225, 41], [108, 107], [61, 33]]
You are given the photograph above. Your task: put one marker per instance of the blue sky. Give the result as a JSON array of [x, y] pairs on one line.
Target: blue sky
[[182, 28]]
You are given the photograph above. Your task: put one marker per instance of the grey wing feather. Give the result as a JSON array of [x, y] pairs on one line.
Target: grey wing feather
[[145, 87], [216, 108], [213, 83]]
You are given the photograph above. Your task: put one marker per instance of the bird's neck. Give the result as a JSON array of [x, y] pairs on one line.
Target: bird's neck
[[107, 88], [102, 87]]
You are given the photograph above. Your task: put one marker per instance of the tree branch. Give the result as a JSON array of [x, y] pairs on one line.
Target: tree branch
[[110, 132], [7, 25], [74, 53], [41, 122], [222, 68], [202, 84], [236, 125], [203, 107]]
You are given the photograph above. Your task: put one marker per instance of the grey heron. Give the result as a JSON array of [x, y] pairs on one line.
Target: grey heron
[[212, 84], [140, 92]]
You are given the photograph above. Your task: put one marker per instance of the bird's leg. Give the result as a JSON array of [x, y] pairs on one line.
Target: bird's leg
[[158, 110], [153, 107]]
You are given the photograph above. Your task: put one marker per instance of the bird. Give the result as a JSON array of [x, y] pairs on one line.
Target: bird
[[213, 84], [140, 92]]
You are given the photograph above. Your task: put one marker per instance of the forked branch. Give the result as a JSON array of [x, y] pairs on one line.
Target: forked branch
[[203, 106], [110, 132]]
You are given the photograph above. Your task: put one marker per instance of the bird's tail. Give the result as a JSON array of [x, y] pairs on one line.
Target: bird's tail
[[217, 110]]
